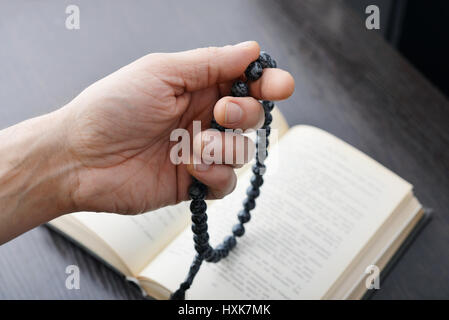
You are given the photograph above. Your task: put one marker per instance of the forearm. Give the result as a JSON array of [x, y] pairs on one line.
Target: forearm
[[35, 174]]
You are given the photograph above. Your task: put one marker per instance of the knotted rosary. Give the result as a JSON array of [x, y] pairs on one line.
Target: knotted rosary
[[198, 191]]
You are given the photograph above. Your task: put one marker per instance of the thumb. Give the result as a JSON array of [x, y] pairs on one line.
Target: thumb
[[202, 68]]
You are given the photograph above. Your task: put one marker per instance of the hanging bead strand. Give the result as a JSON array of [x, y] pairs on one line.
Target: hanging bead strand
[[198, 191]]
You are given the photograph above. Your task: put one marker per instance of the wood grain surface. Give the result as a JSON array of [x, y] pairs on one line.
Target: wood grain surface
[[348, 82]]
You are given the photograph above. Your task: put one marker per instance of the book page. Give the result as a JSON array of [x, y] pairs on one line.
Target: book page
[[137, 239], [318, 207]]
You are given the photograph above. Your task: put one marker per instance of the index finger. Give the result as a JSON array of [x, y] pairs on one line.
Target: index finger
[[201, 68]]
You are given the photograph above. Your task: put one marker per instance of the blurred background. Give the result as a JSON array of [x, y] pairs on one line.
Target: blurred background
[[377, 90], [416, 28]]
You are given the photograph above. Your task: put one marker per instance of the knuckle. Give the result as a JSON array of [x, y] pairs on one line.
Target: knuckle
[[212, 51], [212, 71]]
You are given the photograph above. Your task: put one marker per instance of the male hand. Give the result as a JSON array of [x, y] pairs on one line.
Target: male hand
[[118, 129]]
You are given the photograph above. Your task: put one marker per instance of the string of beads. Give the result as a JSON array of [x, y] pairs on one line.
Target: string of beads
[[198, 191]]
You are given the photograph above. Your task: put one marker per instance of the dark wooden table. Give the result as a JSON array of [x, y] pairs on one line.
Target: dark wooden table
[[348, 82]]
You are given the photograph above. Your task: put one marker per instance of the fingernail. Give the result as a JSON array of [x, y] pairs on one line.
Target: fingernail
[[233, 113], [200, 167], [244, 44]]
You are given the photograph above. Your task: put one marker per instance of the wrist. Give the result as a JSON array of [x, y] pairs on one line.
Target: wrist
[[37, 175], [62, 168]]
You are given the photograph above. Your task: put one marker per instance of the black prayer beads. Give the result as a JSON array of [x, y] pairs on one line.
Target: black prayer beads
[[239, 89], [198, 191]]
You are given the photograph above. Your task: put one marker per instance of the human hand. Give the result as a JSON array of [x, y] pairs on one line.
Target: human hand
[[118, 129]]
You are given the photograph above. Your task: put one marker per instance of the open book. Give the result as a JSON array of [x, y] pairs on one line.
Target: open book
[[326, 212]]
